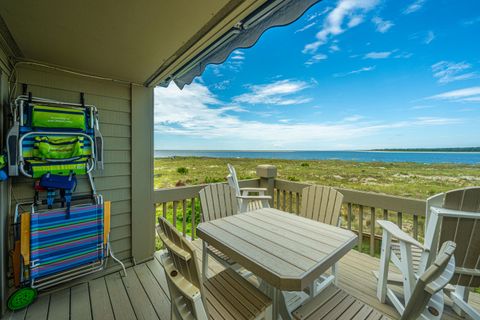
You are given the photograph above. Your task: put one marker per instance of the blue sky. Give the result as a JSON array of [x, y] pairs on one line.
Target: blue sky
[[349, 74]]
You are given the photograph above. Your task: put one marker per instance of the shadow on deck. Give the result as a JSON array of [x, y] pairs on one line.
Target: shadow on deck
[[144, 293]]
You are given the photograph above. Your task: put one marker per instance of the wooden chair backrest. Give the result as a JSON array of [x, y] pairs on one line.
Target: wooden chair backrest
[[434, 279], [322, 204], [218, 200], [462, 227], [232, 179], [182, 273]]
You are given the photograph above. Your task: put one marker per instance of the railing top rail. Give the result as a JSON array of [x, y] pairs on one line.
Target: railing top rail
[[188, 192], [368, 199]]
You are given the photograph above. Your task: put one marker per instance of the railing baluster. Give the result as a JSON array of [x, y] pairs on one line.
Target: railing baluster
[[360, 228], [284, 203], [184, 217], [372, 231], [193, 218], [164, 207], [278, 198], [297, 204], [385, 214], [349, 216], [415, 226], [399, 219], [290, 202], [174, 217]]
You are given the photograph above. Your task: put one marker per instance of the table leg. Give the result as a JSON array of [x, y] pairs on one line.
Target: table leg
[[279, 307], [275, 307]]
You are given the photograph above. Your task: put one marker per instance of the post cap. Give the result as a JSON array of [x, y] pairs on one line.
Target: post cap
[[266, 171]]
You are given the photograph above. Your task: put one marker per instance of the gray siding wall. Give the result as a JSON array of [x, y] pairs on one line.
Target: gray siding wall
[[113, 101], [4, 197]]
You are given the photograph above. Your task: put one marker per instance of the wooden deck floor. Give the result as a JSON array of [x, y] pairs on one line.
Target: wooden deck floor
[[144, 293]]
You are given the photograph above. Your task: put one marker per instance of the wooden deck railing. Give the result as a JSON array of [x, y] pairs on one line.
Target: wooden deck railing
[[182, 205], [360, 211]]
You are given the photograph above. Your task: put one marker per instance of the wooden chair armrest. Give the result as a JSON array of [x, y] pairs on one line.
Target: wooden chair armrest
[[454, 213], [253, 189], [254, 197], [397, 233], [172, 246]]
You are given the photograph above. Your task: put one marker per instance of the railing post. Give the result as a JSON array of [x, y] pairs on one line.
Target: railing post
[[267, 174]]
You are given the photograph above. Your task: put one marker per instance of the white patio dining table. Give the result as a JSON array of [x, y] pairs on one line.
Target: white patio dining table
[[286, 251]]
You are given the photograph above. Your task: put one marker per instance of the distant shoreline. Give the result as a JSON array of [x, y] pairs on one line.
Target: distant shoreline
[[439, 150], [421, 151], [429, 150], [433, 151], [358, 156]]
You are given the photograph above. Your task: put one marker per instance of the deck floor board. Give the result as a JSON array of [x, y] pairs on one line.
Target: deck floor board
[[80, 302], [144, 293]]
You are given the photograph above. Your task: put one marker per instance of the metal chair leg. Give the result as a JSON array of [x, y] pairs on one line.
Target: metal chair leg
[[110, 253]]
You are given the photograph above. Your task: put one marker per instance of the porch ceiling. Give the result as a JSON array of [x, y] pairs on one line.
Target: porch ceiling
[[119, 39]]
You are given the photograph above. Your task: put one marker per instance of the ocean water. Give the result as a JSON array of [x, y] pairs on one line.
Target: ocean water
[[363, 156]]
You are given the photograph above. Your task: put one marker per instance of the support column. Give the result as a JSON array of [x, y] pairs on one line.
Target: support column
[[143, 210], [267, 174]]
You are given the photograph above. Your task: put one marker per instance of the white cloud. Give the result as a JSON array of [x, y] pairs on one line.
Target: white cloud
[[472, 99], [239, 57], [318, 14], [281, 92], [364, 69], [334, 47], [316, 58], [415, 6], [447, 71], [355, 21], [429, 37], [436, 121], [403, 55], [471, 21], [378, 55], [306, 27], [471, 94], [420, 107], [234, 63], [381, 25], [351, 10], [426, 37], [221, 85], [195, 112], [353, 118]]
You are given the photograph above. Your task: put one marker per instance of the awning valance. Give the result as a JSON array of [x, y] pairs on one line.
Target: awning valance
[[244, 35]]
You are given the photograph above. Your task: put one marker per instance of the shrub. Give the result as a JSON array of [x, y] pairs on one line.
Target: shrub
[[180, 183], [182, 170], [304, 164]]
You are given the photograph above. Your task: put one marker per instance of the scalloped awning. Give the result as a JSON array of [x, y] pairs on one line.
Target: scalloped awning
[[244, 35]]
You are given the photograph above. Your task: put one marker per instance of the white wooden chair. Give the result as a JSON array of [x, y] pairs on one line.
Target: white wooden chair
[[247, 201], [455, 216], [426, 299], [217, 200], [224, 296], [323, 204]]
